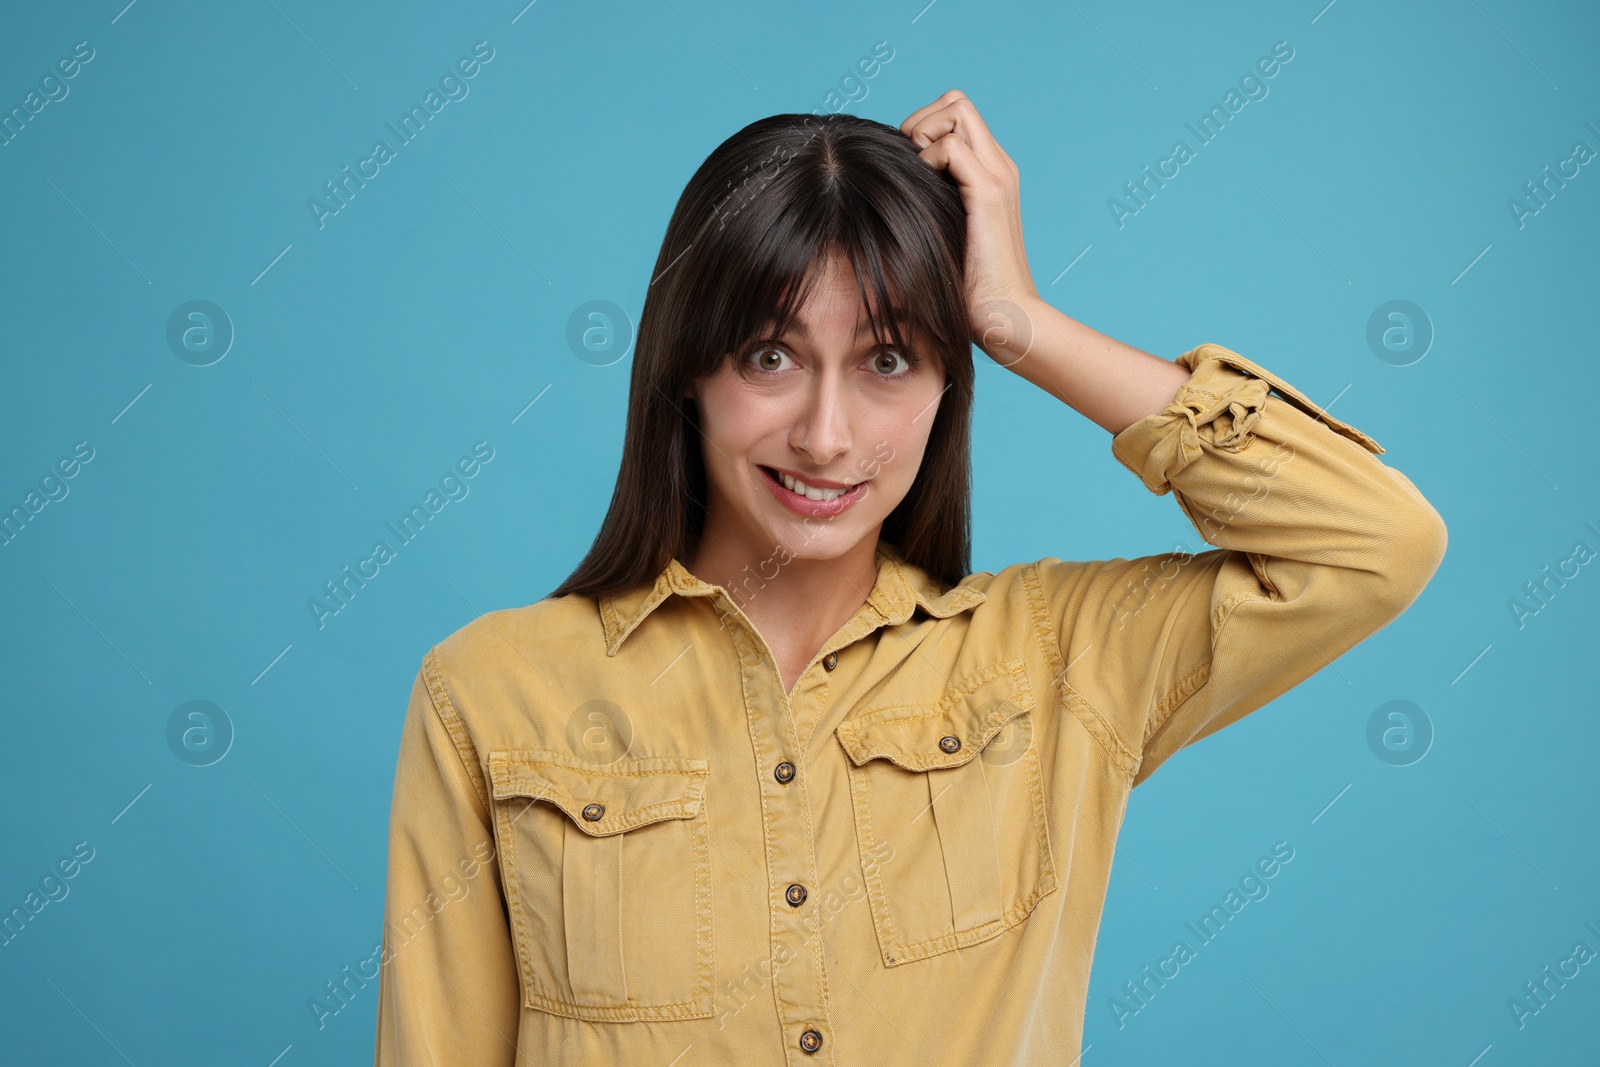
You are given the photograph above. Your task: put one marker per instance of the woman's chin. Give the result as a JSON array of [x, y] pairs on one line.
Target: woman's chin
[[820, 544]]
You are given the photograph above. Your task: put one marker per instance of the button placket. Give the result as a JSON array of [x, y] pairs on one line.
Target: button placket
[[798, 985]]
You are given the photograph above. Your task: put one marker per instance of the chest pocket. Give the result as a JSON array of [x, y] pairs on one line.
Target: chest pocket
[[955, 791], [607, 873]]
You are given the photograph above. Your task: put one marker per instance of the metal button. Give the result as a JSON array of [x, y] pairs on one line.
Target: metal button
[[830, 661], [795, 895], [592, 812], [810, 1041], [783, 772], [949, 744]]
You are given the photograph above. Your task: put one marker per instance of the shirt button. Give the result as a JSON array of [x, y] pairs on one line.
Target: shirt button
[[795, 895], [829, 662], [592, 812], [810, 1041], [949, 744], [783, 772]]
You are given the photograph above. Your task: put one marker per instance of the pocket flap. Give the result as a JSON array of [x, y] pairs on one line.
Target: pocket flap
[[972, 711], [628, 793]]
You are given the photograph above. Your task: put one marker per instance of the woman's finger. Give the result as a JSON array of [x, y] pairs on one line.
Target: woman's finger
[[954, 154], [927, 109], [944, 120], [960, 118]]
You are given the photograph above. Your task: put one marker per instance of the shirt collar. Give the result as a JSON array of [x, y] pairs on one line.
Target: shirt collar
[[901, 588]]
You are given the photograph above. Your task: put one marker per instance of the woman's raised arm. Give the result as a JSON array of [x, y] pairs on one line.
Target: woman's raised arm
[[1320, 546], [1319, 543]]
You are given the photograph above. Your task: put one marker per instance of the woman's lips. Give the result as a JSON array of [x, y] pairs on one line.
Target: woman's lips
[[804, 505]]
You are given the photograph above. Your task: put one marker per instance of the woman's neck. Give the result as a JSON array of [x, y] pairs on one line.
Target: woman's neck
[[795, 603]]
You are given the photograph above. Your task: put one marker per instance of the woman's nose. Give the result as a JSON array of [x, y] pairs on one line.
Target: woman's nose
[[823, 429]]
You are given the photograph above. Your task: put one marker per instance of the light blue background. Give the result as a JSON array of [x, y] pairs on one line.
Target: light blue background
[[430, 312]]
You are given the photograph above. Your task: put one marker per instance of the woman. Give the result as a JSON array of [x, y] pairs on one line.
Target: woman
[[771, 777]]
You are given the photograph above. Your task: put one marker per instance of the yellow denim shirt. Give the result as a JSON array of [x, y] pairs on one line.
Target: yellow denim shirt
[[616, 839]]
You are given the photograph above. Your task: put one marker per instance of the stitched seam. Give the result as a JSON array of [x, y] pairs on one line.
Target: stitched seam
[[1224, 612], [882, 920], [1119, 757], [824, 692], [1050, 638], [683, 1009], [1199, 675], [439, 697], [741, 646], [817, 951], [705, 911], [1180, 691], [955, 693], [540, 758], [608, 620], [1043, 629], [513, 895]]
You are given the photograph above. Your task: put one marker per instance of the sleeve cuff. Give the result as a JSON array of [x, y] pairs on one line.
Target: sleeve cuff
[[1218, 407]]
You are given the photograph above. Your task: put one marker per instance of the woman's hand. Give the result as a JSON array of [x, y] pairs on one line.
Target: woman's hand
[[1110, 382], [1000, 291]]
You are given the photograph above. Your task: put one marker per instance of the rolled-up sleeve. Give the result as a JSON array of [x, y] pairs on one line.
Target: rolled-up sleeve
[[1319, 545], [449, 989]]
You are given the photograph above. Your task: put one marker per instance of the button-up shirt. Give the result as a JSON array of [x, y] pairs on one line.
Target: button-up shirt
[[616, 838]]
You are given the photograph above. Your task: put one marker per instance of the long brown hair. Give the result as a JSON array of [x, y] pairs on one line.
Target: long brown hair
[[739, 257]]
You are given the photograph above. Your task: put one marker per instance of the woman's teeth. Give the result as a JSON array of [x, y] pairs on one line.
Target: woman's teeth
[[795, 485]]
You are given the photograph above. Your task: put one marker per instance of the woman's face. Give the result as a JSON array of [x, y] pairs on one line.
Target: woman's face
[[827, 409]]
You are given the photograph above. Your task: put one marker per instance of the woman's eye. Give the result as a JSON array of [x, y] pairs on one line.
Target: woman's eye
[[891, 363], [766, 358]]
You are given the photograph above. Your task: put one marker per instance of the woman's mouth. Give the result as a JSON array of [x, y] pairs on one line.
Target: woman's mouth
[[813, 501]]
